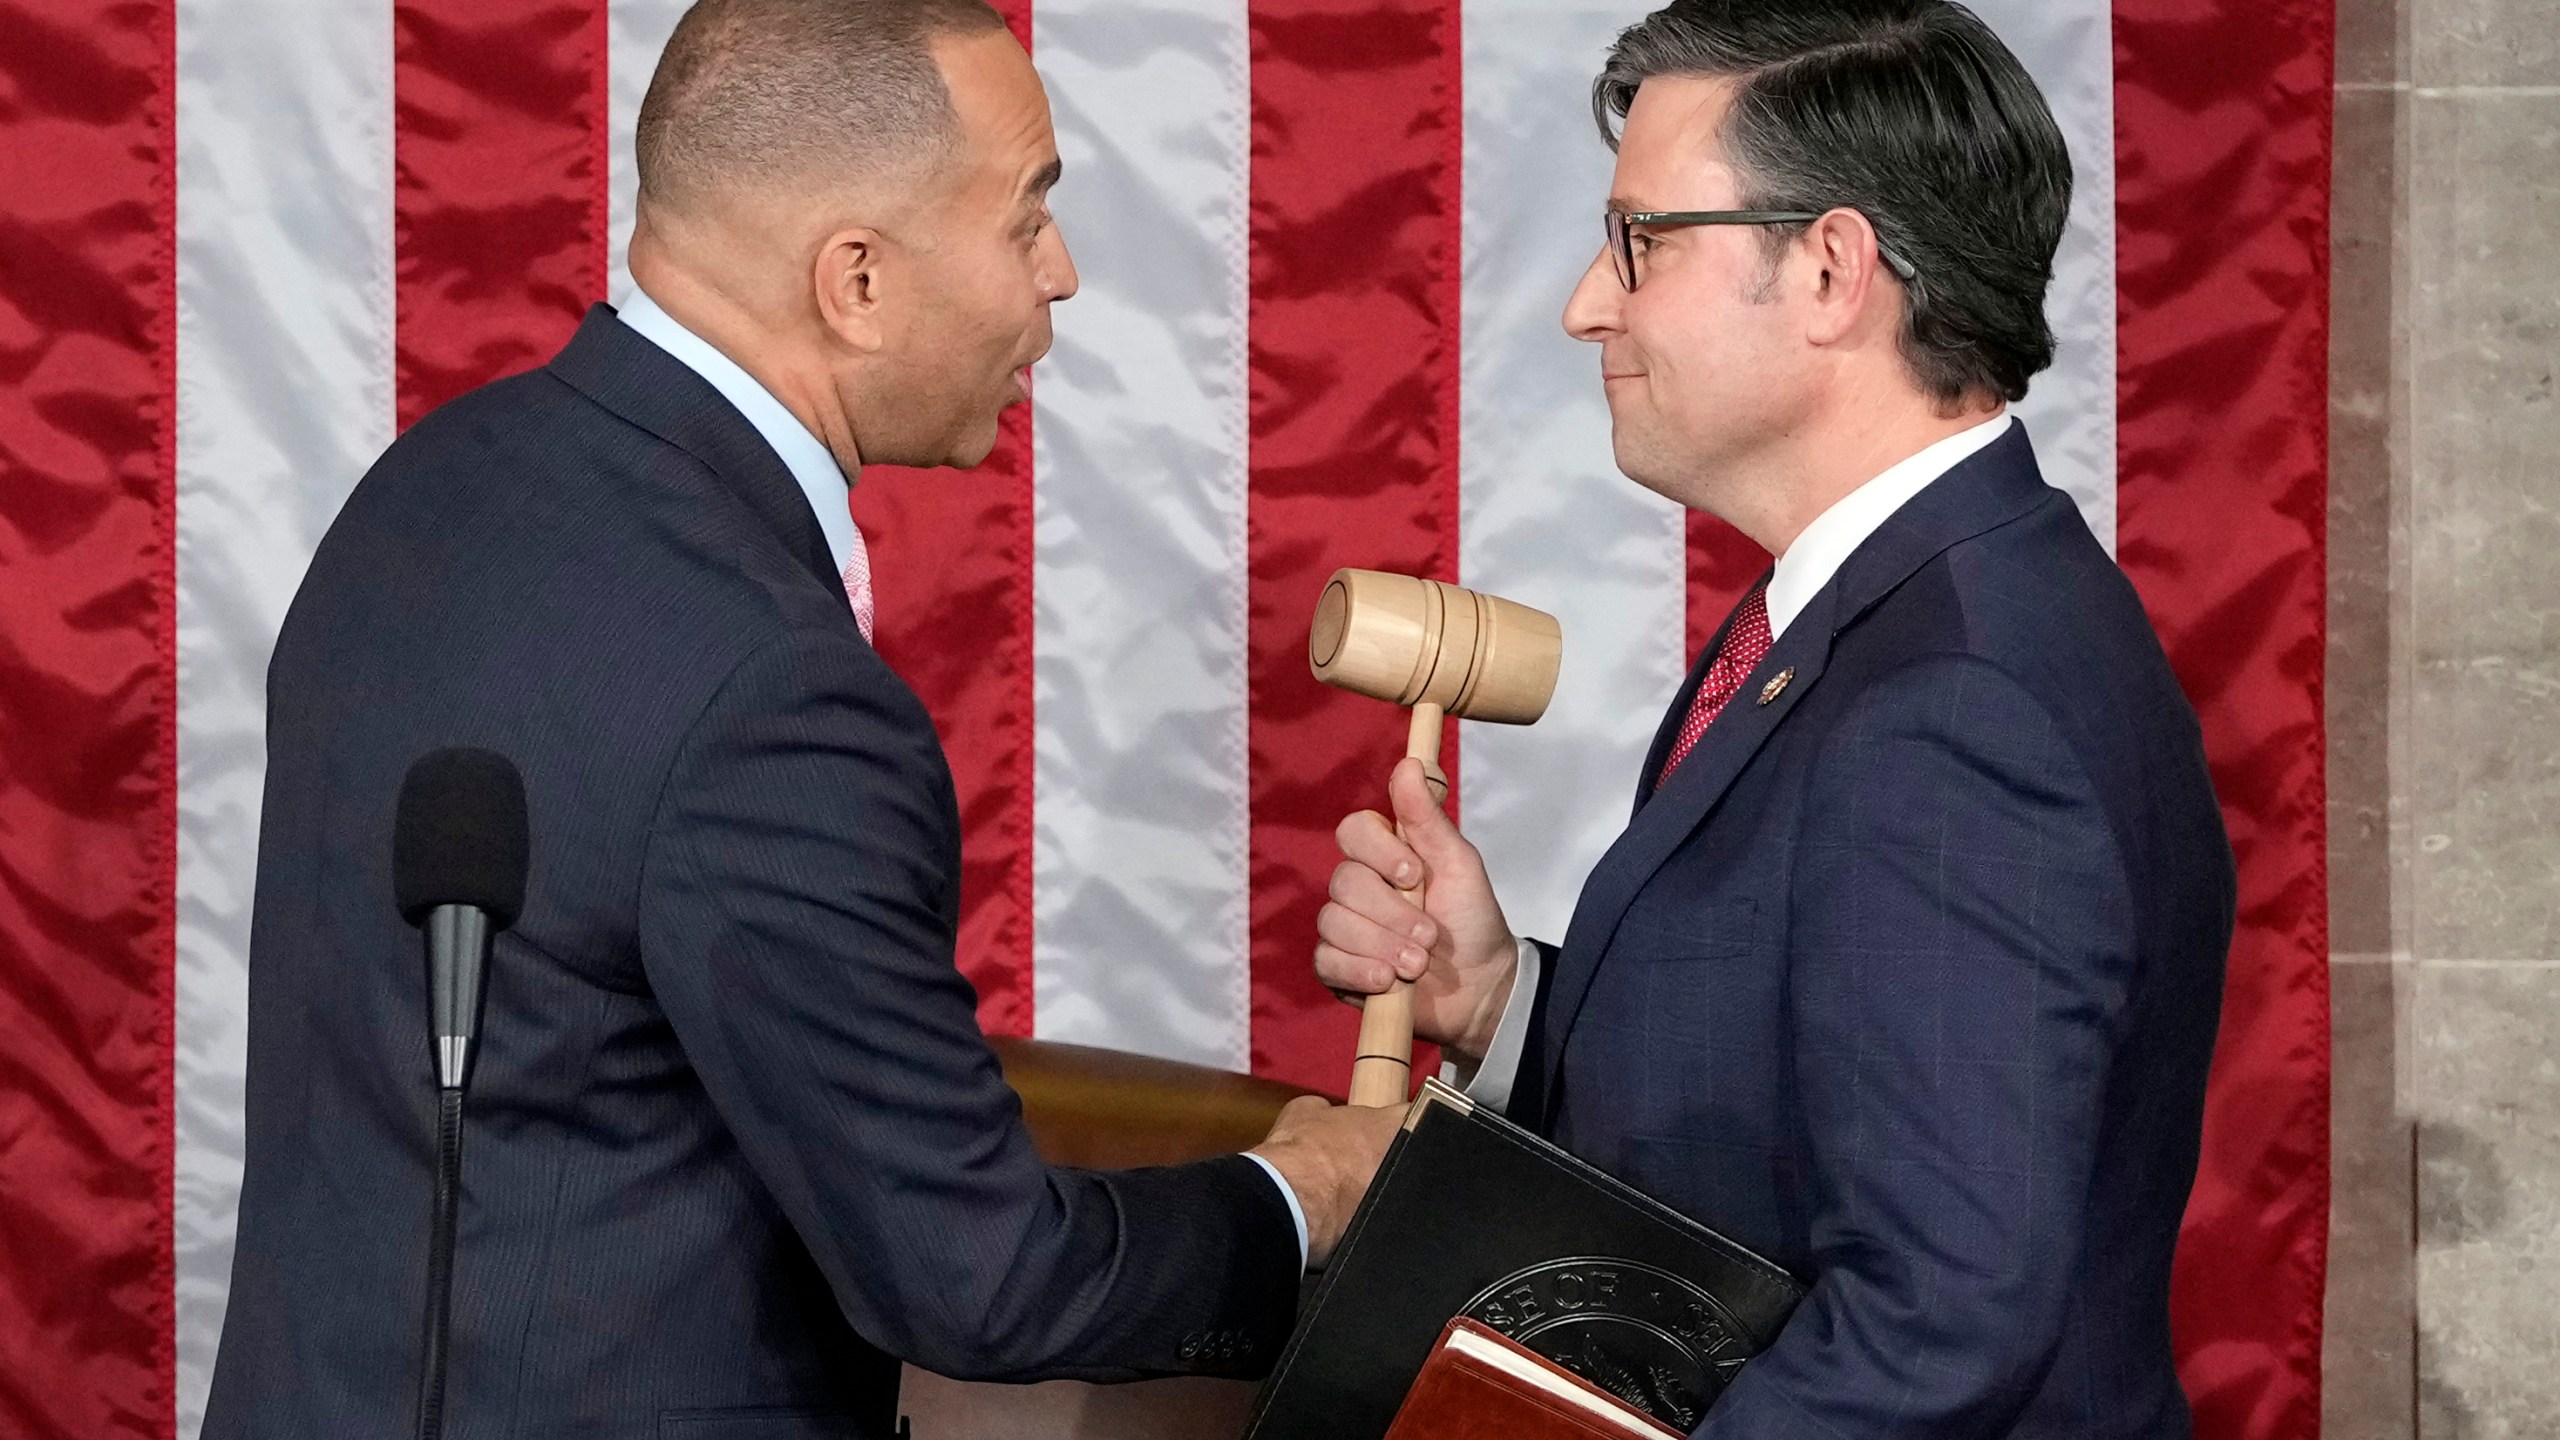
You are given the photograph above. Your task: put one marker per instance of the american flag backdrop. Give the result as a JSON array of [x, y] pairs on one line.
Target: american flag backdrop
[[1324, 246]]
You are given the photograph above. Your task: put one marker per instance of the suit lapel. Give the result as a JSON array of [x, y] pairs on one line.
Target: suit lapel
[[1668, 816], [1669, 730], [1987, 490], [621, 370]]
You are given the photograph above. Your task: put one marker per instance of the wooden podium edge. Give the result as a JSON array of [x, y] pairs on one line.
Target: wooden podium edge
[[1112, 1110]]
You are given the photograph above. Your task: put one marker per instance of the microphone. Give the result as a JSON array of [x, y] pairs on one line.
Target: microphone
[[458, 857]]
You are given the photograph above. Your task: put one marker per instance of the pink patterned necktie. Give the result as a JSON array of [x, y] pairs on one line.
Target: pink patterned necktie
[[1744, 646], [857, 583]]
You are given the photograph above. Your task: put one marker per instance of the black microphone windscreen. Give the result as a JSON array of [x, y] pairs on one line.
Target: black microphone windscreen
[[459, 836]]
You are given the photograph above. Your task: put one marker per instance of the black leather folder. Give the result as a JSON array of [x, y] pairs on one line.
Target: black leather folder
[[1472, 1215]]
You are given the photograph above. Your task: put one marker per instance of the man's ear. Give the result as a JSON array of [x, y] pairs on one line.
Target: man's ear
[[1846, 263], [852, 284]]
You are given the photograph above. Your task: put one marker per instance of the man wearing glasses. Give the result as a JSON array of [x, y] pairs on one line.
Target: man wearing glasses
[[1906, 971]]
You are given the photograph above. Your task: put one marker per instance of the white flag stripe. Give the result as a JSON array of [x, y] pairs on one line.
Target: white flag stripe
[[284, 353], [636, 31], [1544, 516], [2070, 410], [1139, 814]]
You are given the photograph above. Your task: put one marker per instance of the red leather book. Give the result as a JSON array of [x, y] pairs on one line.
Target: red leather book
[[1479, 1385]]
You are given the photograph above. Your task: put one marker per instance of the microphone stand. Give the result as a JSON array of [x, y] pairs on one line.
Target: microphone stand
[[458, 939], [440, 1263]]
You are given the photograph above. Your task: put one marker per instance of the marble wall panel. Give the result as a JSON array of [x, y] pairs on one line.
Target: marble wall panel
[[2483, 757], [2372, 41], [2478, 768], [2486, 1087], [2368, 461], [2484, 42], [2370, 1389]]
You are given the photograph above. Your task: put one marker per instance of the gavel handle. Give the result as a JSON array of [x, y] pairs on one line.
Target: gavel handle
[[1382, 1068]]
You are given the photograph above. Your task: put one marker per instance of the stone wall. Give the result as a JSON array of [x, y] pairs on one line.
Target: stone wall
[[2444, 722]]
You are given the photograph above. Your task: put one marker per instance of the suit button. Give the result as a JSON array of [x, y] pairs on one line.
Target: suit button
[[1191, 1344]]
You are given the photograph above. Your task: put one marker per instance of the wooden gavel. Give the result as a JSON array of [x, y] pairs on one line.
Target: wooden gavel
[[1443, 651]]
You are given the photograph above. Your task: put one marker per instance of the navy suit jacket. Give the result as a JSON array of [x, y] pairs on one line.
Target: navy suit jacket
[[1908, 978], [735, 1145]]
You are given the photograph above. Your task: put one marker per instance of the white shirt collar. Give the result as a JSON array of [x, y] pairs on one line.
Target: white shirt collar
[[1836, 533], [803, 453]]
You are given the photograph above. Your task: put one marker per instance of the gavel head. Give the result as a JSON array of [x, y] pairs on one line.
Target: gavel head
[[1411, 641]]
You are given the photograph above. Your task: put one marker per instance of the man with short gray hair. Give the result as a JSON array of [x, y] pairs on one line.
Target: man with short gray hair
[[736, 1145], [1906, 971]]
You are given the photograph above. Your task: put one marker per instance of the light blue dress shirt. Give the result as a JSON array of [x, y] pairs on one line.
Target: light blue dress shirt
[[825, 483], [803, 453]]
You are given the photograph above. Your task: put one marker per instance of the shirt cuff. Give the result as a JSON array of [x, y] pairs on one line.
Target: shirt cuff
[[1297, 1212], [1489, 1081]]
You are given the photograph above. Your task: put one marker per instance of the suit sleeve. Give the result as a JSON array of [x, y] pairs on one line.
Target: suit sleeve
[[1961, 955], [797, 913]]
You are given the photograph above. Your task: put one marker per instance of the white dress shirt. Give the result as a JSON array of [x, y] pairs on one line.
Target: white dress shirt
[[825, 483], [1816, 556]]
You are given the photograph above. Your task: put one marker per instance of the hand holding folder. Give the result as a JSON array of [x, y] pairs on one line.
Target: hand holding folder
[[1472, 1216]]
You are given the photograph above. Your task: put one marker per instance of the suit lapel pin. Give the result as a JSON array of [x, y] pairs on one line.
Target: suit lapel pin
[[1777, 685]]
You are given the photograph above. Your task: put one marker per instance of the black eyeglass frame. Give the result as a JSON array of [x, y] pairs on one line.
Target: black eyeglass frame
[[1621, 226]]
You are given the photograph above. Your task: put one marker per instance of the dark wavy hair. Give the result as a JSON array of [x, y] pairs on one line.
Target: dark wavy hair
[[1911, 112]]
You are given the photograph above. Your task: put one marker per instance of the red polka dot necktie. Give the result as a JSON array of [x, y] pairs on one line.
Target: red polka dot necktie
[[1746, 641]]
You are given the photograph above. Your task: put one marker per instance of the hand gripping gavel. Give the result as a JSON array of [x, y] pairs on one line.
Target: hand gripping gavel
[[1443, 651]]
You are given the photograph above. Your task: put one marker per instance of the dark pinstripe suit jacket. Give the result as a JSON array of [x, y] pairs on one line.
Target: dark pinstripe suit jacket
[[735, 1141], [1909, 979]]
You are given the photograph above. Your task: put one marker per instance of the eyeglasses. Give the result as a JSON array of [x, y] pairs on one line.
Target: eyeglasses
[[1622, 238]]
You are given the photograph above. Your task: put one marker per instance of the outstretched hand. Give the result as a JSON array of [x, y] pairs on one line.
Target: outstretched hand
[[1455, 946], [1329, 1153]]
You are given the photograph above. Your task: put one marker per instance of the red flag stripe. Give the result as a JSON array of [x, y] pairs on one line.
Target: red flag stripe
[[1356, 165], [951, 562], [951, 558], [2221, 413], [1722, 564], [87, 720], [500, 200]]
